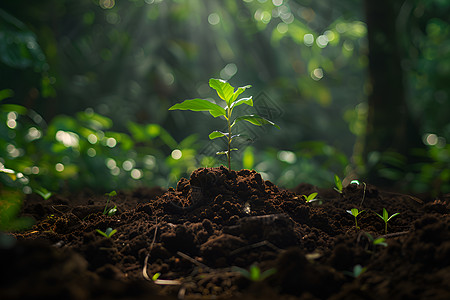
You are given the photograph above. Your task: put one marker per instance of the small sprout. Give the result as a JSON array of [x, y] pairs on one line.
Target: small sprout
[[385, 217], [156, 276], [229, 95], [364, 191], [311, 197], [380, 241], [108, 232], [110, 211], [338, 183], [357, 270], [43, 192], [355, 212], [376, 241], [255, 274]]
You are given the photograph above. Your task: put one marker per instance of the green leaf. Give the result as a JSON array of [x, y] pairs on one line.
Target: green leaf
[[223, 89], [248, 101], [6, 93], [44, 193], [393, 216], [109, 231], [156, 276], [239, 91], [354, 212], [385, 214], [111, 194], [255, 273], [101, 232], [338, 183], [255, 120], [200, 105], [217, 134], [310, 197]]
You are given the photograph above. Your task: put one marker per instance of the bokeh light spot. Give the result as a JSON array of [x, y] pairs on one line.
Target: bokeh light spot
[[59, 167], [107, 4], [176, 154], [111, 142], [136, 174], [317, 74], [287, 156], [213, 19], [308, 39]]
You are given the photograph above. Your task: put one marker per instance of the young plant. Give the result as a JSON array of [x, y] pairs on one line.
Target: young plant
[[255, 274], [376, 241], [156, 276], [229, 95], [385, 217], [44, 193], [107, 233], [311, 197], [357, 270], [355, 212], [110, 211], [338, 183], [364, 191]]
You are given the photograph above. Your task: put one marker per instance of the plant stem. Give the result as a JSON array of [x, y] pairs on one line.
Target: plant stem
[[229, 139]]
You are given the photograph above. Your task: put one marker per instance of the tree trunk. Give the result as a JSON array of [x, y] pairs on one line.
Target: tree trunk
[[389, 124]]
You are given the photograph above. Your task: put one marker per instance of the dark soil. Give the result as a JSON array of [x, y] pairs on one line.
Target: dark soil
[[197, 234]]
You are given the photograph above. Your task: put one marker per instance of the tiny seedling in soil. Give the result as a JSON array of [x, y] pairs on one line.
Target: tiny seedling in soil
[[311, 197], [338, 183], [385, 217], [357, 270], [355, 212], [43, 192], [376, 241], [107, 233], [364, 191], [230, 96], [110, 211], [156, 276], [255, 274]]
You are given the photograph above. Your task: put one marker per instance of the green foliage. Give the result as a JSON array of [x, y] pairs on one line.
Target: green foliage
[[107, 233], [44, 193], [385, 217], [310, 197], [338, 183], [112, 210], [229, 95], [357, 270], [10, 204], [156, 276], [254, 273], [381, 241], [355, 212]]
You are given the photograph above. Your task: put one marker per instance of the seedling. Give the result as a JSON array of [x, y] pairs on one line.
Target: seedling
[[44, 193], [230, 96], [385, 217], [110, 211], [338, 183], [377, 241], [156, 276], [255, 274], [107, 233], [357, 270], [355, 212], [364, 191], [311, 197]]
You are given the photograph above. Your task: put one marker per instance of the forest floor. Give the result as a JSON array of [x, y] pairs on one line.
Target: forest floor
[[198, 235]]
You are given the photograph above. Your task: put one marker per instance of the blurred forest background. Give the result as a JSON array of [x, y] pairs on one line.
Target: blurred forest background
[[359, 88]]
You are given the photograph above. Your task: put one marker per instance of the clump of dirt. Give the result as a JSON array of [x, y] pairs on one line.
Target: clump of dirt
[[198, 235]]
